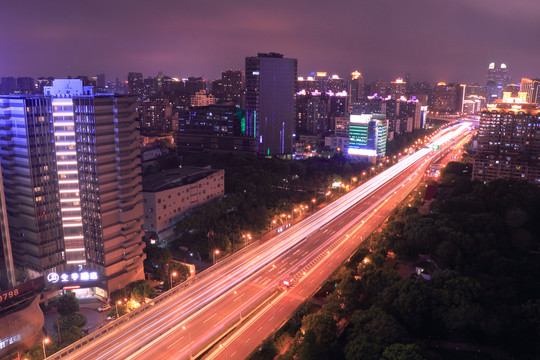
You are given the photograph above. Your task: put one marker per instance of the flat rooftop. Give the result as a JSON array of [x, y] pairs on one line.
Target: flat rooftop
[[172, 178]]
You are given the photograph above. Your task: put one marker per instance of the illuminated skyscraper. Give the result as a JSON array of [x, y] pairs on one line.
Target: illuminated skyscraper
[[497, 78], [72, 180], [368, 135], [356, 88], [270, 86]]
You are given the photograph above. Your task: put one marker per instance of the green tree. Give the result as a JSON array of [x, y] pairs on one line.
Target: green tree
[[402, 352], [142, 291], [67, 304], [181, 270], [323, 325], [71, 335], [409, 301], [156, 255]]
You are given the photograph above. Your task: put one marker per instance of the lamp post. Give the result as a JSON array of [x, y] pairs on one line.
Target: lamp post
[[327, 193], [216, 252], [189, 341], [174, 273], [119, 302], [370, 170], [45, 341], [313, 201], [362, 175]]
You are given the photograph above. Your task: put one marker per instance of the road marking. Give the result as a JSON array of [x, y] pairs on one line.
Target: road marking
[[170, 346], [209, 318]]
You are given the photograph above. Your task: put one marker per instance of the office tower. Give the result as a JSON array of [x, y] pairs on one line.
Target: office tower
[[446, 98], [398, 88], [509, 141], [7, 271], [72, 180], [217, 127], [356, 88], [270, 84], [368, 135], [497, 78]]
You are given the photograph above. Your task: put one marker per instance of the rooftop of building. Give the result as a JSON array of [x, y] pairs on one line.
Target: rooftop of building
[[514, 104], [173, 178]]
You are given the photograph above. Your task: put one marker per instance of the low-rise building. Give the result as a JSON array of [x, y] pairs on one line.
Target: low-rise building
[[169, 195]]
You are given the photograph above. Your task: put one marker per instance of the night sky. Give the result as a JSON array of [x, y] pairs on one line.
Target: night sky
[[434, 40]]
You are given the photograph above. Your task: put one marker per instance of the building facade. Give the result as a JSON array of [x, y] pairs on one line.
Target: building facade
[[270, 110], [368, 135], [169, 196], [509, 141], [497, 79], [72, 181]]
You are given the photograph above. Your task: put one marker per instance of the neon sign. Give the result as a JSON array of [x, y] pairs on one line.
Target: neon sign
[[55, 278]]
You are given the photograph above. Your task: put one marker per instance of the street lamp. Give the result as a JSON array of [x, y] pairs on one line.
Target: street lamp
[[327, 193], [313, 201], [216, 252], [174, 273], [119, 302], [45, 341], [362, 176], [189, 339], [370, 170]]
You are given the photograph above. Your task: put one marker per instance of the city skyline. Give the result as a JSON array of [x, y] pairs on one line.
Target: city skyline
[[451, 42]]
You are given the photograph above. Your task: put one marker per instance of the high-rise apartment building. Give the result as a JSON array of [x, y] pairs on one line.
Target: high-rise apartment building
[[447, 98], [497, 78], [509, 141], [72, 181], [201, 98], [270, 87], [230, 88], [398, 88], [135, 83]]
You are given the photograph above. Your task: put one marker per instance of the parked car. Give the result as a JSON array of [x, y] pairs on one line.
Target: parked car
[[103, 307]]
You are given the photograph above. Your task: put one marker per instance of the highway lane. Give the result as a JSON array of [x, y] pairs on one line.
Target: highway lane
[[247, 337], [119, 343], [255, 290], [176, 344]]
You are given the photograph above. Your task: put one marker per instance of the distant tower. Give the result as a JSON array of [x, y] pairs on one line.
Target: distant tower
[[398, 88], [356, 87], [497, 78], [270, 86]]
